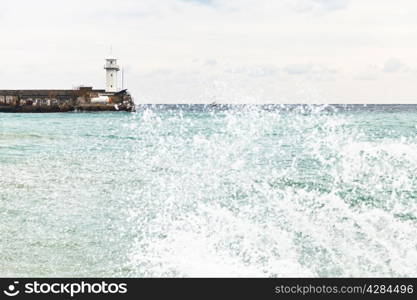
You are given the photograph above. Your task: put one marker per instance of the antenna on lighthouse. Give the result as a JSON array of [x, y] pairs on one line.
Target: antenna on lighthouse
[[123, 77]]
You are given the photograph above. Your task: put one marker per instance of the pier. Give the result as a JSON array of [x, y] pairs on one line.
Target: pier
[[78, 99]]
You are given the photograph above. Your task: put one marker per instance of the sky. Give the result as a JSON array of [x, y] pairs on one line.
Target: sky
[[224, 51]]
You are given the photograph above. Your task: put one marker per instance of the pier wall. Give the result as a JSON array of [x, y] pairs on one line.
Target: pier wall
[[63, 100]]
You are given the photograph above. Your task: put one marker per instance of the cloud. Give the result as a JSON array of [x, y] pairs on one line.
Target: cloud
[[318, 5], [204, 2], [275, 7], [315, 72], [312, 71], [210, 62], [394, 65], [371, 72], [298, 69], [377, 71], [255, 71], [331, 5]]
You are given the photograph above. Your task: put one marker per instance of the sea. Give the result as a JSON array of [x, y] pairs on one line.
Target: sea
[[210, 191]]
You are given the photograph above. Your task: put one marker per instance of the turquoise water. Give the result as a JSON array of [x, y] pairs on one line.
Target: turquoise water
[[187, 191]]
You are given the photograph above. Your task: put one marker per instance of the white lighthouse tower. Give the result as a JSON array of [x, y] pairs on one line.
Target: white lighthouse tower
[[111, 68]]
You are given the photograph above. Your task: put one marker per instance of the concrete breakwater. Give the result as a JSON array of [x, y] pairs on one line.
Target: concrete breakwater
[[80, 99]]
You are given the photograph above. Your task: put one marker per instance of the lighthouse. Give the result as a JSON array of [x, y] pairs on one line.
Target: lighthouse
[[111, 68]]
